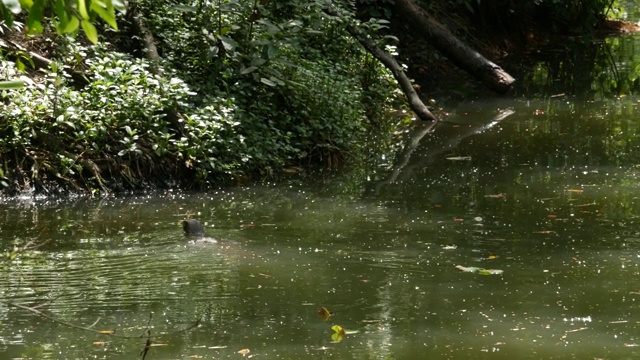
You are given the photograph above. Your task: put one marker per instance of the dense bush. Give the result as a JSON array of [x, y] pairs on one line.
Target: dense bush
[[241, 88]]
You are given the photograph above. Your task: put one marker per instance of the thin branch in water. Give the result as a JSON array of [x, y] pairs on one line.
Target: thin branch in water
[[100, 332], [147, 345]]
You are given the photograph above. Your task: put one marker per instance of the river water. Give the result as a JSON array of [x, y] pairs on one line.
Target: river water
[[510, 231]]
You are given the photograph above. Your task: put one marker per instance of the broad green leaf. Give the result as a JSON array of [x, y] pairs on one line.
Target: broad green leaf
[[272, 51], [90, 31], [228, 43], [117, 4], [107, 16], [82, 9], [185, 8], [26, 4], [6, 15], [267, 82], [13, 84], [248, 70], [60, 10], [12, 5], [72, 25], [36, 12]]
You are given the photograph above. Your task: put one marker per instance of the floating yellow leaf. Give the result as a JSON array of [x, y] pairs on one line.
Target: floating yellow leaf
[[244, 352], [324, 313], [106, 332], [338, 333]]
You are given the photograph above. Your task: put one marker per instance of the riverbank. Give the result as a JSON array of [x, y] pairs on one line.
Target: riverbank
[[257, 96]]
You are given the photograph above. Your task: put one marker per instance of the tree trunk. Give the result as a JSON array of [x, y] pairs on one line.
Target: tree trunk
[[153, 55], [455, 50], [415, 103]]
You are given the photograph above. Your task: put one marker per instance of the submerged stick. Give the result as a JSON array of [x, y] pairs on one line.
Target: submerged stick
[[100, 332]]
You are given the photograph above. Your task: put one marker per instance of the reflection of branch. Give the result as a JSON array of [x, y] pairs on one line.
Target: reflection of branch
[[100, 332], [406, 155], [402, 167]]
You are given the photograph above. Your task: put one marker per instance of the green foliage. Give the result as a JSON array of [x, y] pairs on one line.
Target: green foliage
[[247, 87], [282, 63], [69, 14], [118, 115]]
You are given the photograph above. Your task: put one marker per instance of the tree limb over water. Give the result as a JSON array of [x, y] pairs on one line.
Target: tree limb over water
[[416, 104]]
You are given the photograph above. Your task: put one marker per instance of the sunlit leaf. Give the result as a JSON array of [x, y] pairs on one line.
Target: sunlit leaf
[[36, 12], [69, 26], [82, 9], [90, 31], [12, 5], [338, 333], [324, 313], [248, 70], [244, 352], [185, 8], [108, 16], [228, 43], [117, 4], [267, 82], [106, 332], [490, 272]]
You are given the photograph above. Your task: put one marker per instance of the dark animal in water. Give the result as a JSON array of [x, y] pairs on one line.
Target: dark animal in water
[[192, 228]]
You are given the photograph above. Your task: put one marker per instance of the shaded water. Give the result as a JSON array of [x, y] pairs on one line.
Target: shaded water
[[544, 195]]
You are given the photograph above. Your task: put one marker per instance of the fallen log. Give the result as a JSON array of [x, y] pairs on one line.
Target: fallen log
[[492, 75]]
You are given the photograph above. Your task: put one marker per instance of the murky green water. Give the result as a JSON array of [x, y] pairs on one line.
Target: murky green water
[[511, 231]]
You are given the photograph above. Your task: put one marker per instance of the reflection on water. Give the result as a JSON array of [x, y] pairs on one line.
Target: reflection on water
[[385, 265]]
